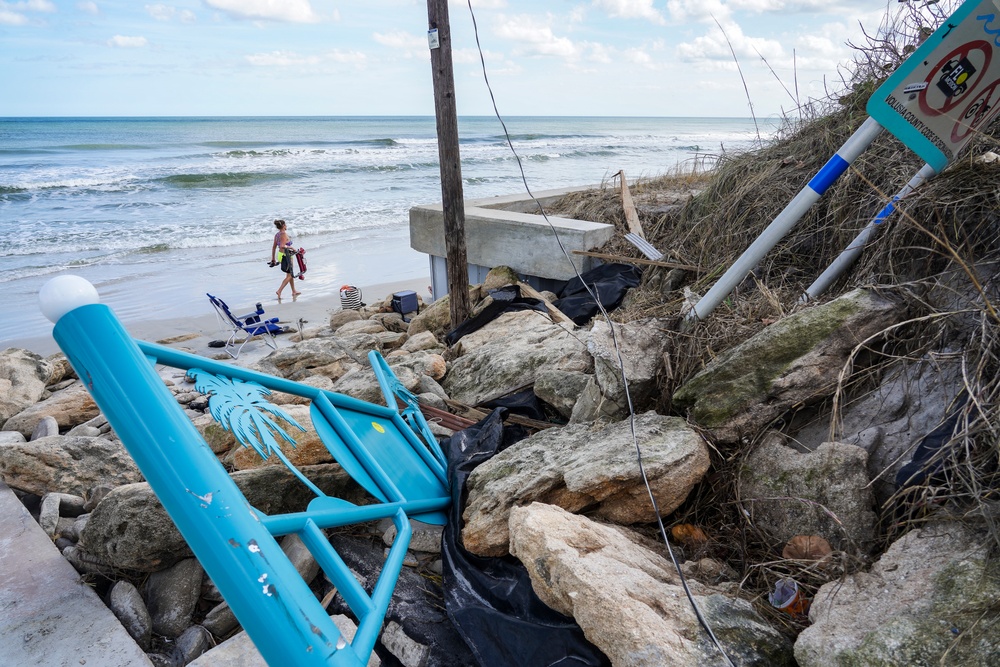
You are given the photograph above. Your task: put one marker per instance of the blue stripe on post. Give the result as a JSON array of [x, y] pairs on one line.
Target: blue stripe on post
[[885, 212], [830, 172]]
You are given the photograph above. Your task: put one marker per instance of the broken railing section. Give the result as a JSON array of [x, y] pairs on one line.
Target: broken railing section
[[235, 542]]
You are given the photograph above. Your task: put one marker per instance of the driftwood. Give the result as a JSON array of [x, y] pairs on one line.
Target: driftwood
[[470, 412], [637, 260], [631, 215], [556, 314]]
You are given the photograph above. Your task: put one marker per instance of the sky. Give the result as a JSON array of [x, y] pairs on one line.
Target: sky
[[730, 58]]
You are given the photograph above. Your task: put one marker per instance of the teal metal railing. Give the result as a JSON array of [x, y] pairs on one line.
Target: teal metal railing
[[235, 542]]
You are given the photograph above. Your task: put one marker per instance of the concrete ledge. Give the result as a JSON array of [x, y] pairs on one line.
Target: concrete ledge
[[499, 232], [48, 616]]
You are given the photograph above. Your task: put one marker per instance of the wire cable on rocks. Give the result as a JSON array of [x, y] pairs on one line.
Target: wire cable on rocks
[[614, 339]]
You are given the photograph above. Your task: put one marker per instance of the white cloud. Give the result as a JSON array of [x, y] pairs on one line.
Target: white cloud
[[346, 57], [290, 11], [161, 12], [631, 9], [535, 37], [121, 41], [168, 13], [88, 8], [638, 57], [30, 6], [489, 4], [14, 13], [718, 46], [11, 18], [697, 10]]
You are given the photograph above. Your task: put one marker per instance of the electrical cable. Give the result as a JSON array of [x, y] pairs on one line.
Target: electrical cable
[[614, 339]]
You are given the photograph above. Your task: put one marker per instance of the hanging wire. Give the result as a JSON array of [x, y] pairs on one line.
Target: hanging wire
[[618, 353]]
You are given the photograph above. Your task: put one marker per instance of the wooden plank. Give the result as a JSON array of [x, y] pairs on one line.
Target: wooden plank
[[473, 413], [445, 418], [631, 215], [556, 314], [637, 260]]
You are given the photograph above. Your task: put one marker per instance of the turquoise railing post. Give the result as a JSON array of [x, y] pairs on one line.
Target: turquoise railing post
[[276, 607], [234, 542]]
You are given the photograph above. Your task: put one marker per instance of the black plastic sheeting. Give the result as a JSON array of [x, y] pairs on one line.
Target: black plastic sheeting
[[609, 282], [523, 403], [505, 299], [926, 463], [490, 600]]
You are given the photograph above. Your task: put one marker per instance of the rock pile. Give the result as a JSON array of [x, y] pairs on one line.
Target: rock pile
[[570, 502]]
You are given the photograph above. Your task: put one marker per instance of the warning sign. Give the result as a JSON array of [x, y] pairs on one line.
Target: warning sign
[[948, 88]]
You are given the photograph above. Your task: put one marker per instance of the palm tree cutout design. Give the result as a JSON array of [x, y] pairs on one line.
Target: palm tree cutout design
[[240, 407]]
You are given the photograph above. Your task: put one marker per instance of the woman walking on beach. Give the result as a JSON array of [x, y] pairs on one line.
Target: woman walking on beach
[[283, 245]]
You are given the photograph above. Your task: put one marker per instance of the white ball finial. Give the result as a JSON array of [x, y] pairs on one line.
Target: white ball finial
[[64, 293]]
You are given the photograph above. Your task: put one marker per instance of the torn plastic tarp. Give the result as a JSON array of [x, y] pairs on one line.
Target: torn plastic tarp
[[505, 299], [926, 461], [609, 282], [490, 600]]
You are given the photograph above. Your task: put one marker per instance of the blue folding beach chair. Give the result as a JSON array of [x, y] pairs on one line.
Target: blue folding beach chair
[[403, 470], [250, 324]]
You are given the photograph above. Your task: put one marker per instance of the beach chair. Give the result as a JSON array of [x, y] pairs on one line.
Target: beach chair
[[234, 541], [250, 324]]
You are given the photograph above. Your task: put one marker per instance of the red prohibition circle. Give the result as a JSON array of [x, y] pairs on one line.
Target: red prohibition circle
[[976, 112], [958, 53]]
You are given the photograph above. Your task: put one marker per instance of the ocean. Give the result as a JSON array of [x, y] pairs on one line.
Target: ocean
[[155, 212]]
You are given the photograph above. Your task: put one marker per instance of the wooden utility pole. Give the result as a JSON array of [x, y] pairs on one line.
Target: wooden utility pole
[[452, 198]]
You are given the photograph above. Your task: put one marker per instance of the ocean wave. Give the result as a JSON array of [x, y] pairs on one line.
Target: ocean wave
[[535, 136], [222, 179], [102, 147], [11, 189], [372, 142], [156, 247], [377, 168], [275, 152]]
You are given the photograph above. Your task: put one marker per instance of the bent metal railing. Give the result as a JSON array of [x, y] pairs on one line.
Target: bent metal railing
[[234, 541]]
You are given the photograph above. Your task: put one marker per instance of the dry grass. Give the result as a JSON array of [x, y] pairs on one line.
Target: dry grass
[[939, 253]]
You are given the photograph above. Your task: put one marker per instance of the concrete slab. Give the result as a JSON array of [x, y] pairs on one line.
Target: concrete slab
[[48, 616], [505, 231]]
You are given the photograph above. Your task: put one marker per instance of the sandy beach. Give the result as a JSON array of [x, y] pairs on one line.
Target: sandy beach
[[195, 332]]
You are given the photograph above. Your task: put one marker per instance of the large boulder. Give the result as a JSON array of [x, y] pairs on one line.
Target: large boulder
[[308, 449], [316, 356], [361, 384], [576, 467], [825, 493], [933, 598], [794, 362], [629, 601], [637, 347], [130, 530], [561, 389], [70, 407], [66, 464], [912, 398], [510, 352], [23, 377]]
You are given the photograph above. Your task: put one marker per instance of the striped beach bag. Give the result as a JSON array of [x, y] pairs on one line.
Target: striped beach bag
[[350, 297]]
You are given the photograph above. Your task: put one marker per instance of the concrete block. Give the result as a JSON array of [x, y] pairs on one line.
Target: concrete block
[[48, 616]]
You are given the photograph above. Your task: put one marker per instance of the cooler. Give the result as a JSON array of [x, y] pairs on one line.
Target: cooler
[[405, 302]]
